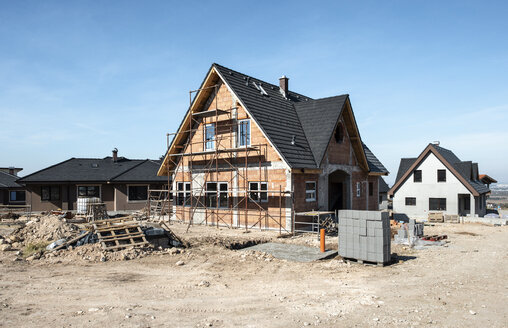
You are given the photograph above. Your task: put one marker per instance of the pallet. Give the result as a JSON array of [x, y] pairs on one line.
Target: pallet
[[434, 237], [379, 264], [436, 217], [119, 233]]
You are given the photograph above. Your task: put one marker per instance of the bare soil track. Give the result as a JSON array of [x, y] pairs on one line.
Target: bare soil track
[[462, 285]]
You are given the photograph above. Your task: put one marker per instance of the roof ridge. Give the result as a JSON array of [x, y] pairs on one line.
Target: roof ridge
[[255, 78]]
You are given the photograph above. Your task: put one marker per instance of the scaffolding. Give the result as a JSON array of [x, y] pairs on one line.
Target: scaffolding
[[211, 183]]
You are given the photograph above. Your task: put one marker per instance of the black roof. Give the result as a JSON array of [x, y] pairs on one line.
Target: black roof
[[383, 186], [405, 164], [310, 122], [8, 180], [374, 164], [98, 170]]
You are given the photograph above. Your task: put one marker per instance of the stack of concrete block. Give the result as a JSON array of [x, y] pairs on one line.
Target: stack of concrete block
[[365, 235]]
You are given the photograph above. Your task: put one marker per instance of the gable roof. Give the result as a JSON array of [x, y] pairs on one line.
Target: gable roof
[[487, 179], [8, 180], [281, 118], [97, 170], [461, 169], [319, 118]]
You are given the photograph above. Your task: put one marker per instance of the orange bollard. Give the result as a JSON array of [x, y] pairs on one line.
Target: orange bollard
[[322, 239]]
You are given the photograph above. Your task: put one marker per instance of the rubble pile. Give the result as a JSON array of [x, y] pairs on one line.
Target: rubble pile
[[95, 253], [45, 229]]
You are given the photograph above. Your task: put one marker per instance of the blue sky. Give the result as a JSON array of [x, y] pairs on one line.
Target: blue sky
[[78, 78]]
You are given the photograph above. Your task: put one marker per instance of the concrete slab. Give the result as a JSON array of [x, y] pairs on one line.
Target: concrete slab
[[295, 253]]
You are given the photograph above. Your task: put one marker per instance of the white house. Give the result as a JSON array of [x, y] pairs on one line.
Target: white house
[[438, 181]]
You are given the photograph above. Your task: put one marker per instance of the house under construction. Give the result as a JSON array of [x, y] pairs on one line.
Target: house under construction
[[252, 154]]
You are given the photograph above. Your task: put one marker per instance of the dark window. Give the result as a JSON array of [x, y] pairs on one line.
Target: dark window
[[437, 204], [339, 134], [417, 176], [256, 195], [380, 199], [17, 196], [138, 192], [441, 175], [410, 201], [213, 195], [50, 193], [371, 189], [467, 204], [89, 191], [183, 194]]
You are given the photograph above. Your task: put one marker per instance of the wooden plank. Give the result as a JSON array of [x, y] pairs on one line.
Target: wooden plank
[[73, 240], [122, 237], [125, 246]]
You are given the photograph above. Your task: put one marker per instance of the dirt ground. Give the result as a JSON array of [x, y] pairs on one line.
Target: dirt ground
[[464, 284]]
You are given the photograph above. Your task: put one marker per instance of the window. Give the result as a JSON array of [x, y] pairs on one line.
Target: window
[[89, 191], [137, 193], [358, 189], [437, 204], [183, 193], [244, 133], [50, 193], [210, 136], [441, 175], [256, 191], [380, 199], [310, 191], [411, 201], [339, 134], [417, 176], [213, 195], [371, 189], [17, 196]]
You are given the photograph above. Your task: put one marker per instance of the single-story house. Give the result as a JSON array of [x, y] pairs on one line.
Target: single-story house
[[252, 153], [11, 193], [438, 181], [121, 183]]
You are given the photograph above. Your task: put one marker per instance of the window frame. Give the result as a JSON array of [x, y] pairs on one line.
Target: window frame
[[439, 205], [50, 193], [358, 189], [420, 176], [256, 195], [438, 177], [137, 200], [311, 191], [412, 203], [216, 194], [248, 136], [16, 192], [207, 141], [88, 185], [183, 194]]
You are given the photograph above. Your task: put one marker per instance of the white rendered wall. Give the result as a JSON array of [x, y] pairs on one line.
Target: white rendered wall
[[429, 188]]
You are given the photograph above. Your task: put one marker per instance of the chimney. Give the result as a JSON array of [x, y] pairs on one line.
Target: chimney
[[284, 85], [115, 155], [12, 171]]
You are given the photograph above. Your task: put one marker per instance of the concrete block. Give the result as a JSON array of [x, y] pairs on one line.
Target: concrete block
[[374, 215], [379, 232]]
